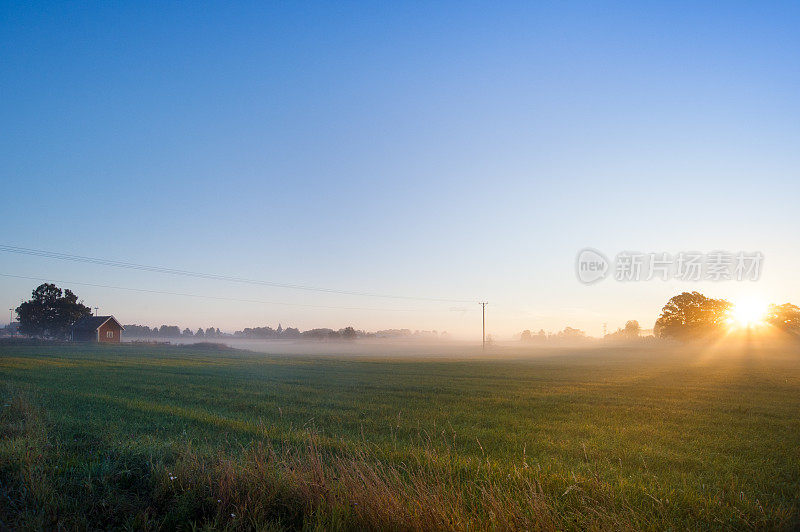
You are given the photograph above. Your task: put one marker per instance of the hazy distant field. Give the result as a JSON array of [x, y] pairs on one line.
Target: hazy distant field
[[153, 437]]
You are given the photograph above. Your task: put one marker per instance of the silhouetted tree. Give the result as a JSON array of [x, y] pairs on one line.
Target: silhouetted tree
[[348, 333], [571, 333], [539, 337], [259, 333], [632, 329], [290, 332], [199, 333], [317, 334], [629, 332], [169, 331], [139, 331], [50, 312], [785, 317], [691, 315]]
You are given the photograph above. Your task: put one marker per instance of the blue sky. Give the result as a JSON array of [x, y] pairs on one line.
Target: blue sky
[[457, 150]]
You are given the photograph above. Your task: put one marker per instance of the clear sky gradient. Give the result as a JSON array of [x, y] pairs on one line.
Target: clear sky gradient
[[456, 150]]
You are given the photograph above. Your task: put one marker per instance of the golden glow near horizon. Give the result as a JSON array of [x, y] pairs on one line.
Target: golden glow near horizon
[[749, 312]]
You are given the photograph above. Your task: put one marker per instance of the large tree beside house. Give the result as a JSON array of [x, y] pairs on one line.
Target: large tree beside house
[[50, 312]]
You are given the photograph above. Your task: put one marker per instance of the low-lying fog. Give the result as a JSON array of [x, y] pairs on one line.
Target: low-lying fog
[[372, 347], [460, 349]]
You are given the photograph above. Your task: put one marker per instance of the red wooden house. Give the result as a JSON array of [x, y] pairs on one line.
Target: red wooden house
[[104, 329]]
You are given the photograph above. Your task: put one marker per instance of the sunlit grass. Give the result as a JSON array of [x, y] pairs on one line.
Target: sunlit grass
[[622, 438]]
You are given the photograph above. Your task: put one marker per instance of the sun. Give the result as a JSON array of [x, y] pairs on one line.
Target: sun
[[747, 313]]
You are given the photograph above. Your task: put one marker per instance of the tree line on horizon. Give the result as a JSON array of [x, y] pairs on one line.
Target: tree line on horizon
[[686, 316], [255, 333], [268, 333], [631, 331], [51, 312]]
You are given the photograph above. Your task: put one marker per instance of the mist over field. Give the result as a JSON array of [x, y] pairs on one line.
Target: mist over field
[[693, 351]]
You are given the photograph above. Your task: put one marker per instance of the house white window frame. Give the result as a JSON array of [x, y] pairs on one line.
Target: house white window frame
[[109, 334]]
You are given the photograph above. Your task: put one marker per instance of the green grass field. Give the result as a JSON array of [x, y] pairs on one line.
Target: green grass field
[[167, 437]]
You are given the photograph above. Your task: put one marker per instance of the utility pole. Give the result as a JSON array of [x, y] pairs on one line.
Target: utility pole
[[483, 319], [11, 319], [95, 310], [605, 326]]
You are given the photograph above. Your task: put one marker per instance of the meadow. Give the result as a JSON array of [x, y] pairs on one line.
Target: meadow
[[177, 437]]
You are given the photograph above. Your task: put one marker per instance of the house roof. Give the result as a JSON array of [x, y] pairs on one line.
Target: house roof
[[92, 323]]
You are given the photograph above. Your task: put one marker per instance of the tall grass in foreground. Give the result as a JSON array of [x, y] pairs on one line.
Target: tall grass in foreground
[[264, 487], [48, 484], [312, 488]]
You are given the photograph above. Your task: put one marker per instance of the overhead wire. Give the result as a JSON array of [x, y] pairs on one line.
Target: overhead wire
[[220, 298], [201, 275]]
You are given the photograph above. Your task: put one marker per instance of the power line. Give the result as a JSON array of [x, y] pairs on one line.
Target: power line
[[218, 298], [186, 273]]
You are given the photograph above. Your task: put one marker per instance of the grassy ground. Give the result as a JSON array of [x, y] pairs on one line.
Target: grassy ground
[[172, 437]]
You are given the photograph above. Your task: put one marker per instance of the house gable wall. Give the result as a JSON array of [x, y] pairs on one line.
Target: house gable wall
[[109, 332]]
